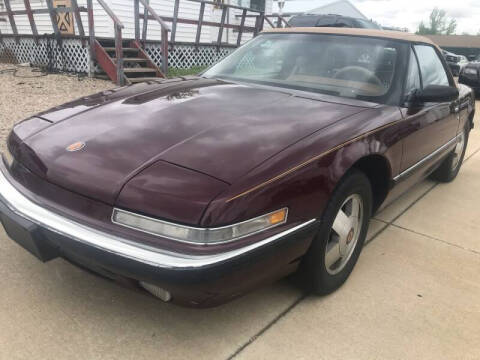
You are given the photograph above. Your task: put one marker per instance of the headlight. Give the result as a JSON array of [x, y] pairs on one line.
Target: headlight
[[199, 235], [8, 157]]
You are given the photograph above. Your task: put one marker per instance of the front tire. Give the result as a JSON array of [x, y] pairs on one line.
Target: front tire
[[342, 232], [449, 168]]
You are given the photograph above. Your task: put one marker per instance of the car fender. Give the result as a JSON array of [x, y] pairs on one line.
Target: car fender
[[304, 176]]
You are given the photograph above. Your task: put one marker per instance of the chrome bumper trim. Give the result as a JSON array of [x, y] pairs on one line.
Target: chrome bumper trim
[[27, 209]]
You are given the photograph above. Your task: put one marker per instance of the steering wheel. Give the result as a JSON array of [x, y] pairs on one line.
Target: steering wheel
[[358, 73]]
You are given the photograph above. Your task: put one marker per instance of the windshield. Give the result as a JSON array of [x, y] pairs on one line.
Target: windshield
[[346, 66]]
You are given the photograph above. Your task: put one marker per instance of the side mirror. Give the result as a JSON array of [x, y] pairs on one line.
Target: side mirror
[[434, 93]]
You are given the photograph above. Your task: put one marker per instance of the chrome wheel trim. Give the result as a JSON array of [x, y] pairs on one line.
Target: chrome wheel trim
[[344, 235], [458, 151]]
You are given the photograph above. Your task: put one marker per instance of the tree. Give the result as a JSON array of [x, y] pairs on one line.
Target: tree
[[438, 24]]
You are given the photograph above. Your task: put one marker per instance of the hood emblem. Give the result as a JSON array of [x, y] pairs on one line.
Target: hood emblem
[[79, 145]]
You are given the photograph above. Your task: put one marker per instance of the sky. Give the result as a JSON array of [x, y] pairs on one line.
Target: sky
[[409, 13]]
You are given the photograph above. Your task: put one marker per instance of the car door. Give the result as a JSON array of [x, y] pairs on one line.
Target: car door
[[433, 125]]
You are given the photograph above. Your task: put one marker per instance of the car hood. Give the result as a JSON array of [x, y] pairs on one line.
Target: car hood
[[219, 129]]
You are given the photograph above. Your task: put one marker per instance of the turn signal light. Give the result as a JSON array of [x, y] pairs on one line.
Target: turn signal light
[[278, 217]]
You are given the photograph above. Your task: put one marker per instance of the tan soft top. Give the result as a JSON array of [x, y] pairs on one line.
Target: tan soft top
[[387, 34]]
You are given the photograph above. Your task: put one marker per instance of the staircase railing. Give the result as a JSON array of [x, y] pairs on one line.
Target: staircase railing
[[280, 23], [118, 26], [164, 26], [50, 9], [223, 24], [114, 67]]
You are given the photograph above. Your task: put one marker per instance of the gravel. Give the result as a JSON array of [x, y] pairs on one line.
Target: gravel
[[23, 97]]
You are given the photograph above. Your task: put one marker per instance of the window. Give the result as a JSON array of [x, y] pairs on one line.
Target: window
[[366, 24], [313, 20], [328, 20], [344, 22], [346, 66], [431, 68], [303, 20], [413, 76], [252, 4], [258, 5]]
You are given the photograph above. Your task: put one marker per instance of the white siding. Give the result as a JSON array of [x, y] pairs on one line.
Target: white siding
[[23, 26], [230, 35], [124, 10], [103, 23], [187, 10]]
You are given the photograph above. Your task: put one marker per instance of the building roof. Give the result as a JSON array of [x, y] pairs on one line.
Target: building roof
[[395, 35], [456, 41], [340, 7]]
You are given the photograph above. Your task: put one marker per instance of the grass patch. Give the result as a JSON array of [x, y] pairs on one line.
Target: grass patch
[[172, 72]]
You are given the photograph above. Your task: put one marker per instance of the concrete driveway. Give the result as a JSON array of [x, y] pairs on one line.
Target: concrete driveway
[[414, 294]]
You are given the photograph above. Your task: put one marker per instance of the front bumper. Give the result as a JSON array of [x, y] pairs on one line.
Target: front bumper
[[195, 280]]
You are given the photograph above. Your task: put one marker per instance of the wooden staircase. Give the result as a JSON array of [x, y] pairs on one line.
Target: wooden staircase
[[126, 61], [137, 65]]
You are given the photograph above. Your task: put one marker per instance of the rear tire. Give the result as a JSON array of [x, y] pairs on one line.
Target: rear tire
[[449, 168], [341, 234]]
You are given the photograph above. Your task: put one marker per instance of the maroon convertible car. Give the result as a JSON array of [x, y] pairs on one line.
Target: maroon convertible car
[[198, 189]]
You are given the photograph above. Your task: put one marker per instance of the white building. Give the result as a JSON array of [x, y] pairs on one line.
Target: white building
[[124, 10], [339, 7]]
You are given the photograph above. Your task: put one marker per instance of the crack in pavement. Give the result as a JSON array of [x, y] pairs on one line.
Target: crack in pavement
[[305, 295], [269, 325], [437, 239]]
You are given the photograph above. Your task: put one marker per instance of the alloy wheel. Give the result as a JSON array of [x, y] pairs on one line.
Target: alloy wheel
[[457, 153], [344, 235]]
